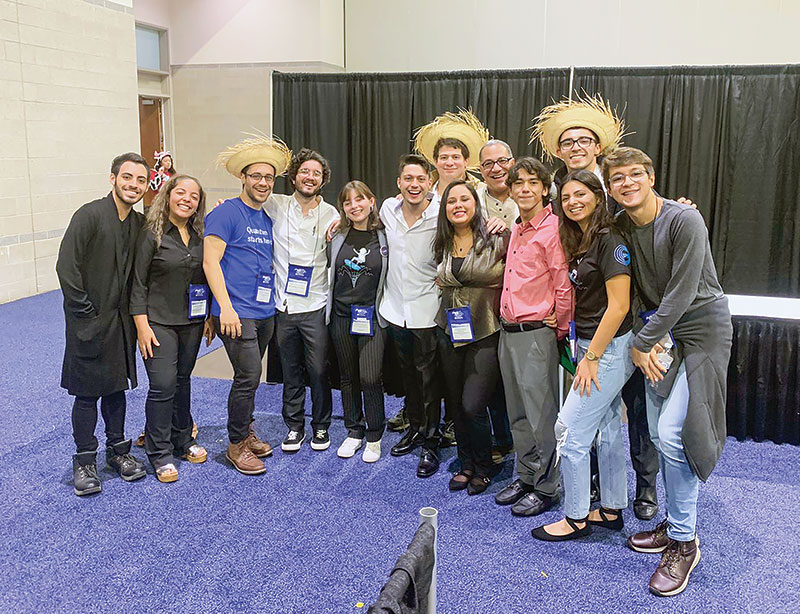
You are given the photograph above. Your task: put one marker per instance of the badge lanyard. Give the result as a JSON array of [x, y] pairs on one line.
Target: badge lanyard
[[573, 341], [361, 320], [265, 276], [459, 321], [198, 301], [298, 280]]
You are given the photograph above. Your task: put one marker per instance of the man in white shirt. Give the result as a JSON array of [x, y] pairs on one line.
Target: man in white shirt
[[410, 303], [300, 221]]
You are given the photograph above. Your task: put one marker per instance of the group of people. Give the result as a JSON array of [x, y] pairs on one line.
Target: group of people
[[482, 287]]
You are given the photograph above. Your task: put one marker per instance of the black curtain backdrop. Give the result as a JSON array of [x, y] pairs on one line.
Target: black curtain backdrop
[[728, 137]]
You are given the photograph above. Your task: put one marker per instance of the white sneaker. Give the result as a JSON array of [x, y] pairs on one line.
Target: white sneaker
[[372, 452], [349, 447]]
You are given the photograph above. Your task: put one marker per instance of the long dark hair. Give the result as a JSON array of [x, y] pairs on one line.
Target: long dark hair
[[443, 242], [574, 241], [158, 213]]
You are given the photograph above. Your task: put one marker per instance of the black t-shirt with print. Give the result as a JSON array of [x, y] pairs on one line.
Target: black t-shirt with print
[[358, 271], [607, 257]]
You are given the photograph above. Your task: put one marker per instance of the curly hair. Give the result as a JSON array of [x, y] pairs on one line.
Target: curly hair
[[158, 214], [303, 156]]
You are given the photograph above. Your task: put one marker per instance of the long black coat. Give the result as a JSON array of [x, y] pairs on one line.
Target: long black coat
[[99, 357]]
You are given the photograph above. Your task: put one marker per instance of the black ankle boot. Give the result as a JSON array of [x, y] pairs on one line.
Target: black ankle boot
[[84, 474], [645, 505], [119, 457]]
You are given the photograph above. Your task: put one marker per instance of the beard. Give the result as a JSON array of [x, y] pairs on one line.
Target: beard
[[257, 197], [125, 198], [306, 192]]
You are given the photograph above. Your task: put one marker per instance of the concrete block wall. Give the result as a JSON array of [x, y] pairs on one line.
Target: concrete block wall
[[68, 105]]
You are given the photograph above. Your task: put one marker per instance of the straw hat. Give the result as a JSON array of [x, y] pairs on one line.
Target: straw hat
[[257, 148], [592, 113], [462, 125]]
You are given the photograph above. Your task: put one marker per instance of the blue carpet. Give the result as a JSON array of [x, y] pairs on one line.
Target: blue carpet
[[320, 534]]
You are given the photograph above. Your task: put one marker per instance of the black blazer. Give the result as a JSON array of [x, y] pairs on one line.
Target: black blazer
[[94, 270]]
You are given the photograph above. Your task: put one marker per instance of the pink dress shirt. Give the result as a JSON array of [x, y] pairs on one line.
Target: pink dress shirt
[[536, 278]]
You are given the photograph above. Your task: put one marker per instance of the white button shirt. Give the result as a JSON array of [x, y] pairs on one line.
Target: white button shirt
[[411, 297], [299, 240], [492, 207]]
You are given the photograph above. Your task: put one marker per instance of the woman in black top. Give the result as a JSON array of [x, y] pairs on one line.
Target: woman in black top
[[470, 273], [358, 265], [599, 264], [169, 304]]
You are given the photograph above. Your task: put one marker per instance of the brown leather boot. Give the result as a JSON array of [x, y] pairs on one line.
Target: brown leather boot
[[677, 563], [243, 459], [257, 447], [650, 541]]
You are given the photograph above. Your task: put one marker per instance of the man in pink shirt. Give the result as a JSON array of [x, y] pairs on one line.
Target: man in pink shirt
[[536, 283]]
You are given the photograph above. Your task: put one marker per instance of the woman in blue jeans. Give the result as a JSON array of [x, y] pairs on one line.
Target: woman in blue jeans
[[599, 264]]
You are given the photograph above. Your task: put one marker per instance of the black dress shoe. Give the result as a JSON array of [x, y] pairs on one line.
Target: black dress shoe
[[428, 464], [511, 493], [478, 484], [645, 505], [542, 535], [532, 504], [408, 443], [459, 484]]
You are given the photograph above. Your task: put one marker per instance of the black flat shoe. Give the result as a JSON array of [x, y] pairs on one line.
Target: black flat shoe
[[478, 484], [615, 523], [455, 485], [542, 535]]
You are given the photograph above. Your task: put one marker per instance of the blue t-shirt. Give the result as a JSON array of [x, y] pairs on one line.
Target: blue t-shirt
[[248, 253]]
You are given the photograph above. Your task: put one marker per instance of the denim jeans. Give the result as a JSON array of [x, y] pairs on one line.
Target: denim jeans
[[599, 414], [665, 418]]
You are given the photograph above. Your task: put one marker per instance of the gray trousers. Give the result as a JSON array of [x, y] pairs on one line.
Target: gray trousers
[[529, 364]]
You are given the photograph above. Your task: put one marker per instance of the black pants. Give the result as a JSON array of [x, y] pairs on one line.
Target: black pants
[[644, 456], [168, 429], [360, 369], [84, 420], [303, 341], [498, 415], [416, 353], [470, 376], [245, 354]]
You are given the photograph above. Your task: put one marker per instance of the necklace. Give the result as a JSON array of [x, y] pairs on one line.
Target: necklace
[[461, 247]]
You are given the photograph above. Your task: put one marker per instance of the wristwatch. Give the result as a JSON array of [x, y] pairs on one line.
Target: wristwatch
[[591, 356]]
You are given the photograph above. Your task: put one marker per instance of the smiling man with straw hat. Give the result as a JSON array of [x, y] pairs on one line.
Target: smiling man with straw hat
[[577, 132], [238, 264]]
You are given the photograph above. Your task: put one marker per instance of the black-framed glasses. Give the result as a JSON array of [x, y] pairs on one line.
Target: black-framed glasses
[[583, 142], [258, 177], [488, 164]]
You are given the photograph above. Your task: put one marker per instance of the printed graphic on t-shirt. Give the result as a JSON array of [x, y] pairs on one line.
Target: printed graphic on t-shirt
[[573, 274], [356, 266]]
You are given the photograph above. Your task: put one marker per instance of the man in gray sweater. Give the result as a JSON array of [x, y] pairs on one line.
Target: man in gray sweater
[[682, 345]]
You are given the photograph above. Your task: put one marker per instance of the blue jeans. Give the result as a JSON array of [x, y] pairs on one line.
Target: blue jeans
[[600, 414], [665, 418]]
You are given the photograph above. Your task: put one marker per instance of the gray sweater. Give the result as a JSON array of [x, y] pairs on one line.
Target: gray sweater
[[685, 278]]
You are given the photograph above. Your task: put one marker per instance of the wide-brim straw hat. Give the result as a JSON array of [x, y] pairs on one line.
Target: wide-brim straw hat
[[462, 125], [258, 148], [592, 113]]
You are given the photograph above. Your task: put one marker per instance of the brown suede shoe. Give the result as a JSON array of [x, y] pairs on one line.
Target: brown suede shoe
[[257, 447], [243, 460], [650, 541], [677, 563]]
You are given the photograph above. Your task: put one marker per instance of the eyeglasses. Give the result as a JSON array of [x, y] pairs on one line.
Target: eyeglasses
[[487, 165], [637, 176], [583, 142], [305, 172], [258, 177]]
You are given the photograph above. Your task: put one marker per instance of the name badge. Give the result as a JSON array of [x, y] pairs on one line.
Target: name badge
[[459, 320], [573, 341], [265, 282], [299, 280], [361, 320], [667, 341], [198, 301]]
